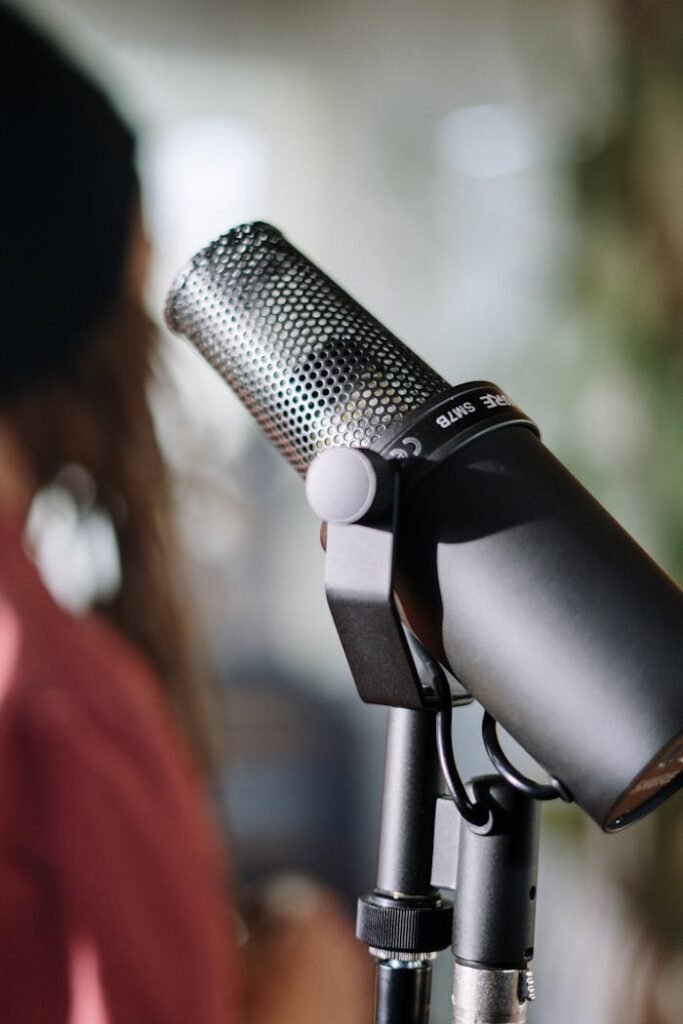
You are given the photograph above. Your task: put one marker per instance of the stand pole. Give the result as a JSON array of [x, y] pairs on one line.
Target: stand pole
[[405, 921]]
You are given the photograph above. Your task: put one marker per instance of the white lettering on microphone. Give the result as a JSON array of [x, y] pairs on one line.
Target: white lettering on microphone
[[490, 400], [494, 401], [451, 416]]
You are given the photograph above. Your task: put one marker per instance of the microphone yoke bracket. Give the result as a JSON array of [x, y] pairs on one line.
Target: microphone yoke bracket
[[359, 576]]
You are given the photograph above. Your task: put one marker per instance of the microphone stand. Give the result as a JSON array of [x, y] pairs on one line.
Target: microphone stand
[[480, 841], [425, 845], [405, 921]]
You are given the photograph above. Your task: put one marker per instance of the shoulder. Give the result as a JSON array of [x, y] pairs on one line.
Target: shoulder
[[102, 811], [56, 666], [82, 718]]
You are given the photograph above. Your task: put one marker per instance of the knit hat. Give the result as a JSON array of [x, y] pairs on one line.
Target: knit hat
[[67, 187]]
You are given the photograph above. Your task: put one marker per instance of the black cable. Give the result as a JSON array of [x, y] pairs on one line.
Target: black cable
[[536, 790], [473, 811]]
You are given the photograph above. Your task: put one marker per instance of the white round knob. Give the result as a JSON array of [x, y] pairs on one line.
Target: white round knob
[[349, 485]]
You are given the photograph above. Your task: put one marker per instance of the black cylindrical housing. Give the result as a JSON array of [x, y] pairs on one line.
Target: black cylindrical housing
[[494, 908], [552, 617]]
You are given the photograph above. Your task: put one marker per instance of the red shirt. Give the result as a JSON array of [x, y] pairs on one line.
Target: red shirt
[[111, 909]]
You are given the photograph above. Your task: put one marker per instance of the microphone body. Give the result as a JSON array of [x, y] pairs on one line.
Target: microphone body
[[551, 616], [507, 569]]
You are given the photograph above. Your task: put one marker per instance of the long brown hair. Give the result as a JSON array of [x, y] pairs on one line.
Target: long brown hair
[[95, 413]]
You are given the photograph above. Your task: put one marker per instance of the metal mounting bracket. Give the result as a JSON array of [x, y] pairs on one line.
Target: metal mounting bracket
[[359, 578]]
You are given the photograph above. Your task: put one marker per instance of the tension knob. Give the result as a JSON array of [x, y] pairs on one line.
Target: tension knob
[[350, 485]]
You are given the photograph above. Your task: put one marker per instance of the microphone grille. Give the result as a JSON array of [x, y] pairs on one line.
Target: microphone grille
[[314, 368]]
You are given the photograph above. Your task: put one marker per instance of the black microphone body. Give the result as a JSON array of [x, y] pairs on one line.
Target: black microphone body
[[550, 615], [507, 569]]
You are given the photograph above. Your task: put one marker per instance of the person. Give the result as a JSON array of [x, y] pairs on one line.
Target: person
[[113, 905]]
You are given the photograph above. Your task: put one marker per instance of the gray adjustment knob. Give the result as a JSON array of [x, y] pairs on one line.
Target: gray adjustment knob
[[349, 485]]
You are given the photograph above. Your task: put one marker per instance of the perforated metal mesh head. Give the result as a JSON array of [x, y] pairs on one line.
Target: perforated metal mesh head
[[313, 367]]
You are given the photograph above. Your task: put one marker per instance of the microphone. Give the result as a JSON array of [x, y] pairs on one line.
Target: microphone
[[508, 571]]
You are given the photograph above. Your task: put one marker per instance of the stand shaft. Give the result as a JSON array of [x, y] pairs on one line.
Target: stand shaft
[[402, 993], [408, 803], [405, 920]]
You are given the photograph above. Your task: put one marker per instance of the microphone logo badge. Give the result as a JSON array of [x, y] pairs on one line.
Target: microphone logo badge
[[402, 453]]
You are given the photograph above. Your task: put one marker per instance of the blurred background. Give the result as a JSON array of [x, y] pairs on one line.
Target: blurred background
[[502, 185]]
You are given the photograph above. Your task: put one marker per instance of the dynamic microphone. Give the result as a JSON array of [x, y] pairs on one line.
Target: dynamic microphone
[[508, 571]]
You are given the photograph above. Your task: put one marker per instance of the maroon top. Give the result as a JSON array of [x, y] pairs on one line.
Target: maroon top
[[111, 907]]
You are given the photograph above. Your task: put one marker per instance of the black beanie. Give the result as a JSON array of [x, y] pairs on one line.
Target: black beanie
[[67, 185]]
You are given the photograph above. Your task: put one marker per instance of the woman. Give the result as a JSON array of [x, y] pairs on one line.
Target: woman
[[111, 890]]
